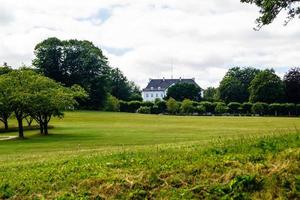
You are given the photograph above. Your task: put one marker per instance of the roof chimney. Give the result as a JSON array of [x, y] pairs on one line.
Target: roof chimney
[[179, 78], [163, 78]]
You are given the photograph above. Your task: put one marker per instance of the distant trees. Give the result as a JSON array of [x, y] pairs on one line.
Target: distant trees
[[235, 84], [121, 88], [269, 9], [181, 91], [292, 85], [266, 87], [26, 93]]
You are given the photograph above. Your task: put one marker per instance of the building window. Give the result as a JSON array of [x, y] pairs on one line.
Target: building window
[[156, 95], [162, 95], [147, 95], [151, 95], [159, 88], [151, 88]]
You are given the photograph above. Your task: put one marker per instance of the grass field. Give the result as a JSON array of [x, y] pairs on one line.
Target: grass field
[[95, 155]]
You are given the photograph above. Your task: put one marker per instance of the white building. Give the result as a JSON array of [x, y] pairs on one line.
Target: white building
[[157, 88]]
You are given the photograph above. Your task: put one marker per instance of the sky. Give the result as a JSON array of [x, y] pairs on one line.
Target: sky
[[148, 38]]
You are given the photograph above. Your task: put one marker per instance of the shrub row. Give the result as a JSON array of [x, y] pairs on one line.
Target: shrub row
[[188, 107]]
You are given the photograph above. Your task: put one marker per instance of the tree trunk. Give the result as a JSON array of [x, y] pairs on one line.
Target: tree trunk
[[46, 128], [21, 130], [276, 113], [5, 124], [41, 128]]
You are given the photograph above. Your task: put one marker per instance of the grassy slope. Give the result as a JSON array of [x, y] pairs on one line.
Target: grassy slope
[[110, 155]]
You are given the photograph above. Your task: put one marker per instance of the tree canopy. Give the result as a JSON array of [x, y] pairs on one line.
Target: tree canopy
[[266, 87], [30, 94], [292, 85], [181, 91], [81, 62], [235, 84], [269, 10], [75, 62]]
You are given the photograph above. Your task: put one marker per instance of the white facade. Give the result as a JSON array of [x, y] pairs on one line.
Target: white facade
[[152, 95]]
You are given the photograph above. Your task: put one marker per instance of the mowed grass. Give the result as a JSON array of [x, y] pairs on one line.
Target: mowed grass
[[94, 155], [89, 130]]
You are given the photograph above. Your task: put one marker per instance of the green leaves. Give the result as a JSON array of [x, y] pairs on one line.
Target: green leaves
[[269, 10]]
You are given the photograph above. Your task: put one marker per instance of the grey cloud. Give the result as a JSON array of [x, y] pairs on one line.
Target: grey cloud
[[6, 16]]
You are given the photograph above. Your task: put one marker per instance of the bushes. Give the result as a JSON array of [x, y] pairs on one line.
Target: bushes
[[247, 108], [144, 110], [260, 108], [221, 108], [187, 107], [112, 104], [205, 108], [172, 106], [234, 107], [130, 106]]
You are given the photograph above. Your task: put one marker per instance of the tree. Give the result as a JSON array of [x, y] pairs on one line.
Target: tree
[[121, 88], [75, 62], [181, 91], [5, 107], [30, 94], [230, 90], [266, 87], [270, 9], [235, 84], [50, 99], [291, 82], [210, 94], [18, 89], [172, 106]]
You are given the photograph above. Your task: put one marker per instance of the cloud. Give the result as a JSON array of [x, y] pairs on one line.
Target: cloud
[[200, 39]]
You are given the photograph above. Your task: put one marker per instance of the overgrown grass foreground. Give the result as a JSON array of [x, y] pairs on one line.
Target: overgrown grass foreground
[[195, 165]]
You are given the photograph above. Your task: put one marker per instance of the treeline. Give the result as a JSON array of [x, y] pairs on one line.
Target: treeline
[[27, 95], [188, 107], [254, 85]]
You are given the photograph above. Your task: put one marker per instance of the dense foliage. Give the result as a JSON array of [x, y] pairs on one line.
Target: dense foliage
[[266, 87], [235, 84], [27, 94], [181, 91], [81, 62], [292, 85]]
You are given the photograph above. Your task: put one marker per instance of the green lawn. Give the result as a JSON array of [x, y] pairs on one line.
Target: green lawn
[[120, 155]]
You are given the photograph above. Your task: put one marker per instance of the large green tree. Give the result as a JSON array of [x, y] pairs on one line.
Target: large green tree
[[292, 85], [266, 87], [235, 84], [30, 94], [75, 62], [181, 91], [269, 10]]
